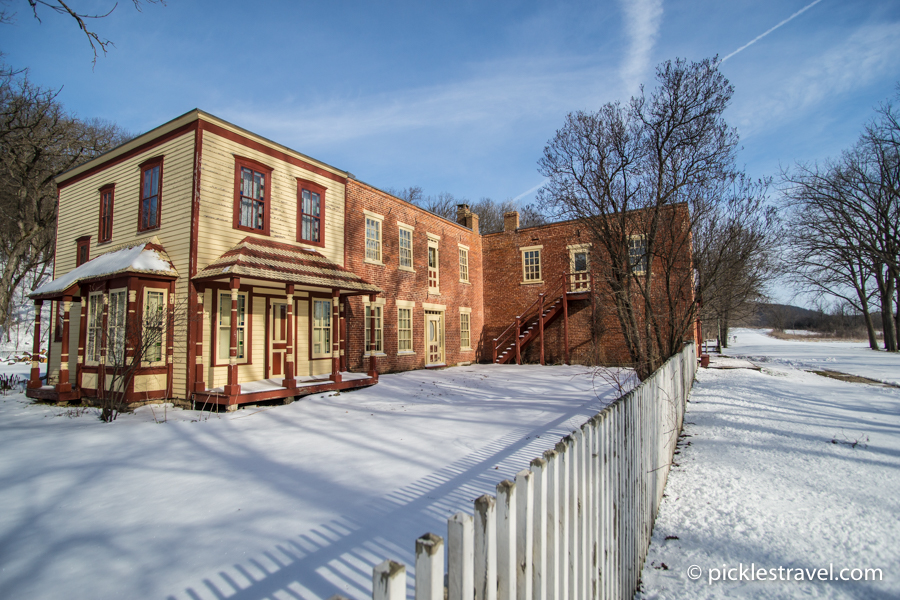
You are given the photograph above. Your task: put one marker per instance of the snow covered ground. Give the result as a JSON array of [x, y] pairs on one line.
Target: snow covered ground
[[772, 478], [297, 501]]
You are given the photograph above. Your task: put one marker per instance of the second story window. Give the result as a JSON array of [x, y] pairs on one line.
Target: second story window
[[311, 213], [531, 264], [84, 251], [463, 264], [151, 192], [637, 254], [106, 214], [253, 199], [373, 238], [406, 248], [433, 264]]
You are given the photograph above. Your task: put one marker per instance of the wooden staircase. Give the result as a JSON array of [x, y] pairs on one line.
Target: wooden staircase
[[531, 323]]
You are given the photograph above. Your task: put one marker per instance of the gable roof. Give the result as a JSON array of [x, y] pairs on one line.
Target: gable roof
[[277, 261], [145, 256]]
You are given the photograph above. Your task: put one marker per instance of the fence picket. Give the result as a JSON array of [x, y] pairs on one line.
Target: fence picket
[[577, 524]]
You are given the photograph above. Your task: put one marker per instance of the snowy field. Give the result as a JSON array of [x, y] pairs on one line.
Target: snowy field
[[297, 501], [772, 478]]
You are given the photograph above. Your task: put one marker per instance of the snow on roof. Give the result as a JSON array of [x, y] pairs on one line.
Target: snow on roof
[[143, 256]]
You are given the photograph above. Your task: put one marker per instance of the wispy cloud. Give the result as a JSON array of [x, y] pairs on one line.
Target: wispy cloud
[[642, 19], [493, 99], [864, 57], [530, 191], [762, 35]]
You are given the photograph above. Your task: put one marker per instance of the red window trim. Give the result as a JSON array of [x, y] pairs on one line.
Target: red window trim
[[145, 166], [221, 288], [305, 184], [249, 163], [110, 189], [83, 242]]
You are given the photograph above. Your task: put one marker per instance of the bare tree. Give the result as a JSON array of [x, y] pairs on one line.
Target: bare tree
[[644, 179], [70, 9], [846, 225], [131, 343], [38, 141]]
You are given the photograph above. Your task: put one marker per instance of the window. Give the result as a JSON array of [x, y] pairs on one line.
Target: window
[[94, 327], [310, 213], [404, 330], [637, 254], [433, 264], [579, 267], [225, 326], [465, 328], [463, 264], [115, 320], [154, 317], [84, 251], [106, 213], [373, 238], [251, 212], [579, 262], [376, 313], [151, 178], [406, 251], [531, 264], [321, 332]]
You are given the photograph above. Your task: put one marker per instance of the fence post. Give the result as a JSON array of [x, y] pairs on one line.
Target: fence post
[[562, 518], [524, 534], [574, 513], [506, 540], [552, 525], [485, 548], [460, 557], [389, 581], [430, 567], [539, 535]]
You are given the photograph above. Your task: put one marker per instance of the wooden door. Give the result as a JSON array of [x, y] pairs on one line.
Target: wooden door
[[277, 338], [434, 337]]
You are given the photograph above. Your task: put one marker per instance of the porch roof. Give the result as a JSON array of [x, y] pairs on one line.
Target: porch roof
[[277, 261], [145, 256]]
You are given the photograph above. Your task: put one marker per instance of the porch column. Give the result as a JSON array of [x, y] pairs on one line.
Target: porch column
[[104, 329], [373, 372], [541, 324], [199, 326], [82, 339], [169, 330], [35, 380], [336, 336], [289, 381], [232, 388], [64, 386]]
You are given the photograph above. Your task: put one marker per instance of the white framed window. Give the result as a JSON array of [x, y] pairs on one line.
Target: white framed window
[[115, 327], [94, 328], [224, 341], [434, 262], [321, 328], [374, 224], [406, 247], [531, 264], [404, 330], [579, 267], [463, 264], [637, 254], [154, 332], [375, 311], [465, 328]]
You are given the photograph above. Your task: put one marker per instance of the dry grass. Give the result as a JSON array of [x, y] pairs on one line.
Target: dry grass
[[819, 337]]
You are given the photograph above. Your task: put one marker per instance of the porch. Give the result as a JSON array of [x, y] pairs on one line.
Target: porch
[[274, 389]]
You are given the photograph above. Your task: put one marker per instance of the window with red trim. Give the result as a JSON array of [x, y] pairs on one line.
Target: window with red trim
[[310, 213], [84, 251], [151, 192], [251, 200], [106, 214]]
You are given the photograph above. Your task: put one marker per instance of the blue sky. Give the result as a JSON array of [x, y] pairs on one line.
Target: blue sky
[[461, 97]]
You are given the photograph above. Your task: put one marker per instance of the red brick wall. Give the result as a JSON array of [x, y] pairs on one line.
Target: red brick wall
[[403, 285]]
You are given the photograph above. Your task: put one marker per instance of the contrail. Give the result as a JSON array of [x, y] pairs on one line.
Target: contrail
[[534, 189], [759, 37]]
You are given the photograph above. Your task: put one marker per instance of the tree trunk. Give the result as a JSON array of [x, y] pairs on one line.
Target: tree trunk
[[886, 296]]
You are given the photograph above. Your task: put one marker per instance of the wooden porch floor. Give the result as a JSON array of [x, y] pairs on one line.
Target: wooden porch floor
[[272, 389]]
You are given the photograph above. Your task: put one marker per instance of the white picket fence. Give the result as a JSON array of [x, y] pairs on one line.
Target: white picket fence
[[577, 524]]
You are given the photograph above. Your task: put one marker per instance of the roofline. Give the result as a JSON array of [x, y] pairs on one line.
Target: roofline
[[172, 125], [575, 221], [416, 206]]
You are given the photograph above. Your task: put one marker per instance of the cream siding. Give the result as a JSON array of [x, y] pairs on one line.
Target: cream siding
[[301, 352], [79, 214], [149, 383], [216, 234]]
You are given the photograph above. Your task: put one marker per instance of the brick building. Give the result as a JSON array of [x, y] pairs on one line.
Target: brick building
[[293, 277]]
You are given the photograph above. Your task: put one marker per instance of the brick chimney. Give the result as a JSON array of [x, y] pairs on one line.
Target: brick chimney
[[466, 217], [511, 221]]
